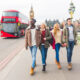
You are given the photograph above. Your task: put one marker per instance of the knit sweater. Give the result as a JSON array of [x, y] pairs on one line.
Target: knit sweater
[[57, 37], [43, 36]]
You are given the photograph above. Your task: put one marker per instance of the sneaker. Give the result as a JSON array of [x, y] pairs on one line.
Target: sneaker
[[69, 66], [31, 71], [58, 65]]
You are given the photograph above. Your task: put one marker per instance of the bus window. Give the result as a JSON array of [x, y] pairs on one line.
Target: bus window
[[9, 20], [10, 13]]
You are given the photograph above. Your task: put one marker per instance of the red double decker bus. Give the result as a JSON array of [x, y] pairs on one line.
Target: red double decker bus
[[13, 23]]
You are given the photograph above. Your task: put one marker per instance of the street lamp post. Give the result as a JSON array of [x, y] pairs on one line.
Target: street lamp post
[[71, 9]]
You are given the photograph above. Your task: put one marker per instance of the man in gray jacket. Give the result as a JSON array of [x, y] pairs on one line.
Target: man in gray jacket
[[69, 40]]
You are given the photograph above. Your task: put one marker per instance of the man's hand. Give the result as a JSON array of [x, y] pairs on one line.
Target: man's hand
[[26, 47]]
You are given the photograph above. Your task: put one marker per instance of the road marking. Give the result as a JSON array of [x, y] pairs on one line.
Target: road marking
[[10, 65], [9, 58]]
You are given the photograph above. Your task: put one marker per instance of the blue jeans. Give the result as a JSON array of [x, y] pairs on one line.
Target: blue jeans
[[33, 50], [57, 48], [70, 51], [43, 54]]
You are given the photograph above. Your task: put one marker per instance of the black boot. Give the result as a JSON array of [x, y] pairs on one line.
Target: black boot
[[45, 64], [44, 68]]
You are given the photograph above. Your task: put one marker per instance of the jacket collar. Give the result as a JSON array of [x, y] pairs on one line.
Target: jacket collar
[[71, 25]]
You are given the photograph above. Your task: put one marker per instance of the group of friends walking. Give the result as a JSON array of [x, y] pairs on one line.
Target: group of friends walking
[[43, 38]]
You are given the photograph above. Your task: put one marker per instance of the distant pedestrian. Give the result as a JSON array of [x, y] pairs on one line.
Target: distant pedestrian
[[32, 39], [62, 26]]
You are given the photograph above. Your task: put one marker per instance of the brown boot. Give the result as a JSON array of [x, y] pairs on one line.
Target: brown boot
[[58, 65], [32, 71], [69, 66], [56, 61]]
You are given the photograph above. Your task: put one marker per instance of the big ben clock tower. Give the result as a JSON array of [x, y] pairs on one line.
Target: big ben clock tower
[[31, 13]]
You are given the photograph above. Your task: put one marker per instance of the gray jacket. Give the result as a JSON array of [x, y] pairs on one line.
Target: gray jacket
[[66, 34]]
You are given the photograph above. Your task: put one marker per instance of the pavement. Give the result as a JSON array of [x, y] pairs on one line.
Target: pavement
[[9, 46], [19, 67]]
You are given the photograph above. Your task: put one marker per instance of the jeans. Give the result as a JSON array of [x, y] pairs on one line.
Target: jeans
[[33, 50], [57, 48], [43, 54], [70, 51]]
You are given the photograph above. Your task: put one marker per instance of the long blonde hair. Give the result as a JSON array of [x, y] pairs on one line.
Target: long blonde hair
[[56, 28]]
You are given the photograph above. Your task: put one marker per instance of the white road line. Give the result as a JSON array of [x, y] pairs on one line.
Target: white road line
[[5, 71], [9, 58]]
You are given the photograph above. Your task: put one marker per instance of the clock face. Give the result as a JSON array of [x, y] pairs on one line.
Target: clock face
[[31, 13]]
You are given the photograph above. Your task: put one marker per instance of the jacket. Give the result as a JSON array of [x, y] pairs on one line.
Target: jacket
[[28, 38], [66, 34], [48, 37]]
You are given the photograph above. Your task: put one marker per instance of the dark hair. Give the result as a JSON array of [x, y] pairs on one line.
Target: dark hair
[[34, 21], [69, 19]]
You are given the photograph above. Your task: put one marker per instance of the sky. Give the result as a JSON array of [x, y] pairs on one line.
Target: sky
[[43, 9]]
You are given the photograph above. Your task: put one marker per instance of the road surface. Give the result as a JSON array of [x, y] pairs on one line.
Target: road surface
[[19, 67], [9, 45]]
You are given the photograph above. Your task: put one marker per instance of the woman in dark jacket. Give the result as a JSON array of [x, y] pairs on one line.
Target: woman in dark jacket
[[45, 37]]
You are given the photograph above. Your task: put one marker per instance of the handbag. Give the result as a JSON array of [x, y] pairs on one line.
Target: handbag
[[51, 40]]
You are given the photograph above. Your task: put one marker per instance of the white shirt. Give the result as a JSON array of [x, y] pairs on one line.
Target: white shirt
[[33, 36], [71, 35]]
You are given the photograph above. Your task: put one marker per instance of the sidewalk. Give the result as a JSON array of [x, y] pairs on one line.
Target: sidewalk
[[19, 67]]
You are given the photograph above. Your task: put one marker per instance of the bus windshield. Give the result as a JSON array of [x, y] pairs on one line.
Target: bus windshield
[[8, 19], [9, 27], [10, 13]]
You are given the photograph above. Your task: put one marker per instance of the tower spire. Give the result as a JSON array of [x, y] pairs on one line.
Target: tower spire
[[31, 13]]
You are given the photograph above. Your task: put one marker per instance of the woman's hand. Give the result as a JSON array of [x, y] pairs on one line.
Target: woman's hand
[[65, 44], [45, 39]]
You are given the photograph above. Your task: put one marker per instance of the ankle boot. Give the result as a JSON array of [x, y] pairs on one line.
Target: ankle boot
[[56, 61], [32, 71], [69, 66], [44, 68], [59, 65]]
